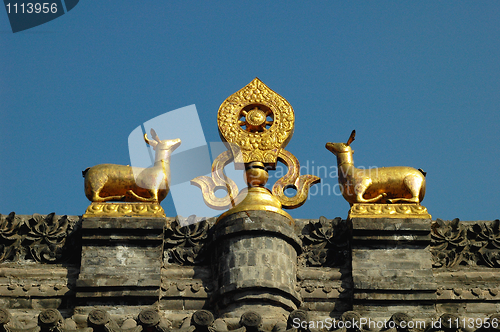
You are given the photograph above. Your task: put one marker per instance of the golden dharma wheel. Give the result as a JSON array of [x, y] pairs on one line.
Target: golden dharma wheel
[[257, 120]]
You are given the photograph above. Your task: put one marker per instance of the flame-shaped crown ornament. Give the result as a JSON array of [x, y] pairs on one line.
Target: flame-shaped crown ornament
[[257, 123]]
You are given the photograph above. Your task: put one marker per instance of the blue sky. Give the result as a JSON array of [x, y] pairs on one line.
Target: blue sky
[[418, 80]]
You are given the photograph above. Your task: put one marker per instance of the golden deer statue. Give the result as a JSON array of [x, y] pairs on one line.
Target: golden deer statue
[[109, 182], [376, 185]]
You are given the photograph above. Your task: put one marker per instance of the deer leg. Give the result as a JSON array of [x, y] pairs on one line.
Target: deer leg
[[97, 198], [93, 187], [153, 198], [360, 189], [414, 184]]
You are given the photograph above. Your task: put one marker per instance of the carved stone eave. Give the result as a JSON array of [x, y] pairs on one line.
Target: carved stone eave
[[362, 264], [388, 211]]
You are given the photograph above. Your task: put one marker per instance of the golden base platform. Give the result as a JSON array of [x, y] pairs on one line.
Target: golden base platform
[[388, 211], [257, 199], [124, 210]]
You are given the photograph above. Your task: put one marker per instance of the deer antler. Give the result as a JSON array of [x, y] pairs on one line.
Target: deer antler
[[351, 138]]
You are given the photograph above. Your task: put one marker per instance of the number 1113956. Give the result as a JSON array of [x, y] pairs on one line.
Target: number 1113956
[[31, 8]]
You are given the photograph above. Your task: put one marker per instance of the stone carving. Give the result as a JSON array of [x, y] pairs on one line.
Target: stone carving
[[297, 316], [475, 293], [202, 320], [326, 242], [376, 185], [50, 320], [449, 241], [4, 320], [10, 238], [449, 322], [194, 286], [109, 182], [30, 289], [401, 321], [454, 243], [150, 321], [326, 289], [98, 317], [185, 245], [48, 236], [45, 239], [250, 321], [487, 238], [100, 321], [351, 322]]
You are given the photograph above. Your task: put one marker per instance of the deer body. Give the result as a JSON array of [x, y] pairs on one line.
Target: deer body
[[110, 182], [376, 185]]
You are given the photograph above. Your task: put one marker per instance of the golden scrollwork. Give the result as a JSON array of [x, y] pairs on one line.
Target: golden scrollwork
[[109, 209], [209, 185], [258, 120], [389, 211], [293, 179], [257, 124]]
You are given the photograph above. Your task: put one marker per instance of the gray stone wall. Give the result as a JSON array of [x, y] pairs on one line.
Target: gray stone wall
[[252, 272], [254, 260], [392, 267], [120, 263]]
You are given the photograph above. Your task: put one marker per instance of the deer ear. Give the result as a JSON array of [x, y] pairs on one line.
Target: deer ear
[[154, 135], [351, 138]]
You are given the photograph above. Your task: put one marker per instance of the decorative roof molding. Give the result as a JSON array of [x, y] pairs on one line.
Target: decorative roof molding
[[455, 243], [326, 242], [44, 239], [186, 245]]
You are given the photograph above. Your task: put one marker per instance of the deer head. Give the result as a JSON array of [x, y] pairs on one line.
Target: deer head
[[162, 148], [169, 144], [337, 148]]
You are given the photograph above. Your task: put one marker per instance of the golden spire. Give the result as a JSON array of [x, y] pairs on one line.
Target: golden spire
[[257, 123]]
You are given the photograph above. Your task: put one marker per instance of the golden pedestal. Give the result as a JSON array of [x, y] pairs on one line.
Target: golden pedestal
[[124, 210], [257, 199], [388, 211]]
